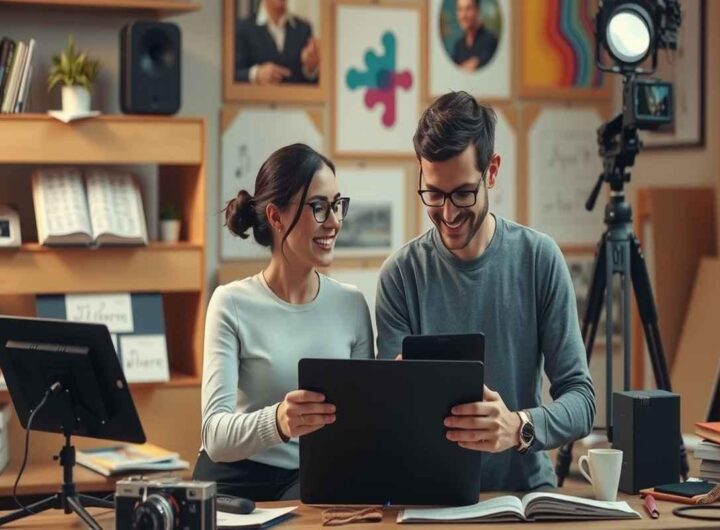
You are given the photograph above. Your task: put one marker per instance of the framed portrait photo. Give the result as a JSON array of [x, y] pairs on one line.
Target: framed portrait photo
[[379, 79], [275, 51], [471, 48], [249, 135]]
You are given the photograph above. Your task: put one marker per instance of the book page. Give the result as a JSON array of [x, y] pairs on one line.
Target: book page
[[550, 503], [115, 204], [59, 197], [505, 505]]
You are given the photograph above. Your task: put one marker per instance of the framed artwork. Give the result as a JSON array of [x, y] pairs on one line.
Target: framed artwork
[[685, 69], [562, 168], [378, 80], [471, 48], [262, 62], [503, 197], [557, 51], [375, 224], [248, 136]]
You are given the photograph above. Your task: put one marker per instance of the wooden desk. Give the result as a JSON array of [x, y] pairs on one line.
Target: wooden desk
[[310, 517]]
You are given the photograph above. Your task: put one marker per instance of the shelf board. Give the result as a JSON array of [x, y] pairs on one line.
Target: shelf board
[[160, 8], [107, 139], [159, 267]]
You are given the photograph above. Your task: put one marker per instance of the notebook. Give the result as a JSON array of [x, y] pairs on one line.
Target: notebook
[[127, 458], [259, 518], [709, 431], [532, 507]]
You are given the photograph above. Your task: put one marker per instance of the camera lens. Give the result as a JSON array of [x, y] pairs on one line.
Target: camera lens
[[156, 513]]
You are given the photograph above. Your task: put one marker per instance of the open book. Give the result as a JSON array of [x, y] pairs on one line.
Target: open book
[[532, 507], [105, 208], [128, 458]]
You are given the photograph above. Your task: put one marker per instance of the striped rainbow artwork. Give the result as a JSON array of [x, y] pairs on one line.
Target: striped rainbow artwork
[[558, 44]]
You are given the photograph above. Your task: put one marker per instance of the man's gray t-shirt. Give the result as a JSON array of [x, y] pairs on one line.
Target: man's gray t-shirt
[[520, 295]]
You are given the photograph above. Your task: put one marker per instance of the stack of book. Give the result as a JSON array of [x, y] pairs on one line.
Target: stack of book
[[16, 59], [130, 458], [708, 451]]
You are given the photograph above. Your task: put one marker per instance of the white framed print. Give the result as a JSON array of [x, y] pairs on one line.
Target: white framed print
[[249, 136], [563, 167], [378, 80], [471, 48], [375, 224]]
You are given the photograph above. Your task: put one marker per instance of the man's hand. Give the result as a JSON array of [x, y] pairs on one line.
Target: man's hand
[[303, 412], [271, 74], [471, 64], [310, 55], [485, 425]]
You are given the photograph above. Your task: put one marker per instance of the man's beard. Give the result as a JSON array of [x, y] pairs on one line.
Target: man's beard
[[476, 219]]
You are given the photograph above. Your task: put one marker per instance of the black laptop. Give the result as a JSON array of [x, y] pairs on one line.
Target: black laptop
[[388, 442]]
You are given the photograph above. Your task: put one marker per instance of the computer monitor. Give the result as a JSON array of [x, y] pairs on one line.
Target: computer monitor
[[94, 400]]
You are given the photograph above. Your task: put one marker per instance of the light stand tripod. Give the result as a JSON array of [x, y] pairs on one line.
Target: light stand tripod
[[618, 252]]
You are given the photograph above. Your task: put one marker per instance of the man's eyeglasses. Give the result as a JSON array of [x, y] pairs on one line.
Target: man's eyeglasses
[[321, 208], [460, 198]]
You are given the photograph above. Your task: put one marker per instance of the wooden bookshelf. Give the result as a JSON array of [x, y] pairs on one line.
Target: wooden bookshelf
[[170, 411], [155, 8]]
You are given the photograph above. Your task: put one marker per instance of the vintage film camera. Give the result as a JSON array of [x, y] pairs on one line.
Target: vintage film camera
[[144, 504]]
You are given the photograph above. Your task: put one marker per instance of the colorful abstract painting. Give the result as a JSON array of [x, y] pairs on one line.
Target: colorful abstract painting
[[377, 81], [558, 50]]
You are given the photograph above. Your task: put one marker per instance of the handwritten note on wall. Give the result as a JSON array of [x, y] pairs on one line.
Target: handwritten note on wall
[[563, 168], [113, 310]]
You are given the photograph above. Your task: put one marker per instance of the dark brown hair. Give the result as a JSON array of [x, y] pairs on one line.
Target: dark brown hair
[[450, 124], [287, 171]]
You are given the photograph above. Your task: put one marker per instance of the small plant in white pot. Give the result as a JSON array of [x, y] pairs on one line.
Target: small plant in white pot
[[170, 223], [77, 72]]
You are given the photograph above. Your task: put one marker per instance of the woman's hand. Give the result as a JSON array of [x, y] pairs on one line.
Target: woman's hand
[[303, 412]]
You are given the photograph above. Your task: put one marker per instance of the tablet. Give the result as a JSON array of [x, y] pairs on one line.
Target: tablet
[[388, 442], [458, 347]]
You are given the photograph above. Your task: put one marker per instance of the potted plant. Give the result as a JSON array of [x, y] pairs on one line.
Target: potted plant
[[77, 72], [170, 223]]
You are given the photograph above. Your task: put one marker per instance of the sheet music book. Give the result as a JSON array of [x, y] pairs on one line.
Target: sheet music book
[[104, 208], [532, 507]]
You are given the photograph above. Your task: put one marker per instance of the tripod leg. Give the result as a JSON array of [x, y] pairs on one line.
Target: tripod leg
[[593, 309], [74, 503], [32, 509], [649, 317], [93, 502]]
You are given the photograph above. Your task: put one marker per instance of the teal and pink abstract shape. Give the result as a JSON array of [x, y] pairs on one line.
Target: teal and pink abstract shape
[[381, 79]]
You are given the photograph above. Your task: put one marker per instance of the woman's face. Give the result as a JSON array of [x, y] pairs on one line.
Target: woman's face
[[311, 243]]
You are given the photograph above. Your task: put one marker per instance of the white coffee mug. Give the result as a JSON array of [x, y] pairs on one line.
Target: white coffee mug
[[603, 473]]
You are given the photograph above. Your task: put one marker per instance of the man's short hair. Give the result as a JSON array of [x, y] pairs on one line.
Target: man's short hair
[[450, 124]]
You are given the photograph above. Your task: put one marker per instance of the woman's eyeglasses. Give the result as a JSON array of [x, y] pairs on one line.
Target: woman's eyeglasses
[[321, 208]]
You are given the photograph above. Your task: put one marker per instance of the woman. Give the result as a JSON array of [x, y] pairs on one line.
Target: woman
[[258, 328]]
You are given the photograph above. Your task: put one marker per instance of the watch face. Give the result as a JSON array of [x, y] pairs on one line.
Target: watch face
[[4, 228], [527, 433]]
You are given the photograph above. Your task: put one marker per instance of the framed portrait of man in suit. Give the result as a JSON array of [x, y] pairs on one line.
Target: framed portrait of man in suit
[[274, 51]]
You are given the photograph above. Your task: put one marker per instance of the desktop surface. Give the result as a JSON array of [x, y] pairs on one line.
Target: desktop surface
[[311, 517]]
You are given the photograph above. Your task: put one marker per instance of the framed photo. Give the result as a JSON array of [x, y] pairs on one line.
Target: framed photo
[[557, 51], [471, 48], [562, 168], [377, 219], [283, 61], [248, 136], [378, 80], [503, 198], [685, 69]]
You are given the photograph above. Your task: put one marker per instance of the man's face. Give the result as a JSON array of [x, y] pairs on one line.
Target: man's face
[[457, 225], [276, 6], [467, 13]]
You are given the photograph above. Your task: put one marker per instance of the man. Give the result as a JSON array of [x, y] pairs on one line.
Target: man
[[275, 47], [477, 44], [475, 272]]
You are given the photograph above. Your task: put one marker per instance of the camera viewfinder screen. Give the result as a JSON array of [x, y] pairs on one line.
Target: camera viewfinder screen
[[4, 228], [653, 102]]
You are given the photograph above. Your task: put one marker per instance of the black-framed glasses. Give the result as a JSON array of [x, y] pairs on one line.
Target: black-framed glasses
[[321, 208], [460, 198]]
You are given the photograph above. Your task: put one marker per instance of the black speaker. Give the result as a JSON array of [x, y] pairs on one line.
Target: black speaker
[[150, 68], [646, 427]]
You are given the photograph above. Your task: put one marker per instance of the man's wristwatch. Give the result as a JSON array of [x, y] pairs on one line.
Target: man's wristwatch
[[527, 431]]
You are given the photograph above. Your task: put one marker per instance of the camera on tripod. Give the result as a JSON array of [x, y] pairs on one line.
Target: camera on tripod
[[164, 503]]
